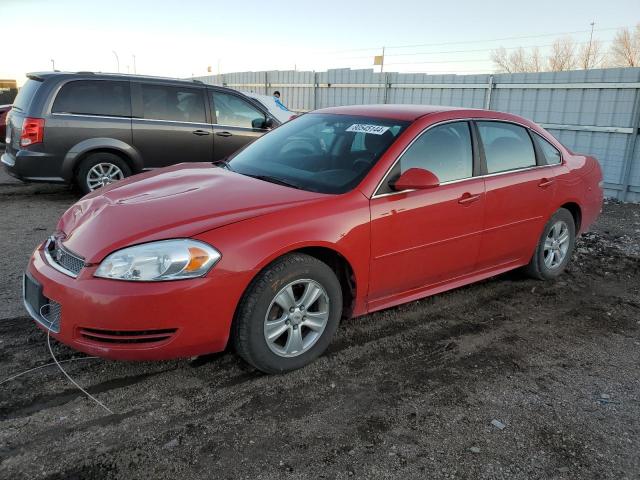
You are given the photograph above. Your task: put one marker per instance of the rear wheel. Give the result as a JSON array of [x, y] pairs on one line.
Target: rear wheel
[[554, 247], [288, 315], [100, 169]]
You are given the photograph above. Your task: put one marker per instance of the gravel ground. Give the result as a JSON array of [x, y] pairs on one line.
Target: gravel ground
[[507, 378]]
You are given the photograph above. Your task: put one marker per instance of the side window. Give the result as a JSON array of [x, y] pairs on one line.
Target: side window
[[506, 146], [233, 111], [551, 154], [178, 104], [94, 97], [444, 150]]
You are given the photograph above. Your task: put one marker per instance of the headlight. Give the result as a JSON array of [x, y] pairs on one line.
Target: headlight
[[157, 261]]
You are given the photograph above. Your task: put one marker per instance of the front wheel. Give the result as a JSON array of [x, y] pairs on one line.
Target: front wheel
[[554, 247], [288, 315]]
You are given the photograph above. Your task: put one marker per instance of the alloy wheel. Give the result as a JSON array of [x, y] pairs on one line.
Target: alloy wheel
[[556, 244], [103, 174], [296, 318]]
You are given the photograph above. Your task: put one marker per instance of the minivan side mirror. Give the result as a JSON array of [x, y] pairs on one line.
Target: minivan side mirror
[[416, 179], [262, 123]]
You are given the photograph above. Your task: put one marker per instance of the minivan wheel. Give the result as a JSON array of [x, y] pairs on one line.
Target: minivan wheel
[[100, 169], [554, 247], [288, 315]]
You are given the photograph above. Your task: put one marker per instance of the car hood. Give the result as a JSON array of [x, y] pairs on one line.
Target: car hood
[[174, 202]]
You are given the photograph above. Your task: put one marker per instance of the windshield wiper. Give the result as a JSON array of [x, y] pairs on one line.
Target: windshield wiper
[[275, 180], [223, 163]]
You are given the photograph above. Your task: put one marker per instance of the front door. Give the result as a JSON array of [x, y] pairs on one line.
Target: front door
[[236, 122], [425, 237], [170, 124]]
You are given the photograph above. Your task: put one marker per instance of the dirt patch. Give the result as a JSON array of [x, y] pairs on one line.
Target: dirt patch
[[408, 392]]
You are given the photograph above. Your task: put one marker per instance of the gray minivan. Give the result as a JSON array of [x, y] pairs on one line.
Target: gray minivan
[[92, 129]]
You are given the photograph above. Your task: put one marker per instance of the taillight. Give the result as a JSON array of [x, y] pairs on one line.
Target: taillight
[[32, 131]]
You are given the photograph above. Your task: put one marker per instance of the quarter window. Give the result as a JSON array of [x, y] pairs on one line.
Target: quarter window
[[506, 146], [94, 97], [550, 153], [233, 111], [178, 104]]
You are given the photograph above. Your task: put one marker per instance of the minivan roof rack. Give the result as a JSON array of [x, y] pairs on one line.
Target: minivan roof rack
[[86, 72], [194, 80]]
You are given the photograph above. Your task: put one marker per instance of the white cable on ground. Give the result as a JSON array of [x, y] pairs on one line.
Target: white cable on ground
[[12, 377], [67, 375]]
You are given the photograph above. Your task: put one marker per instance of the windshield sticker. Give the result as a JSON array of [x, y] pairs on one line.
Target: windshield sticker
[[373, 129]]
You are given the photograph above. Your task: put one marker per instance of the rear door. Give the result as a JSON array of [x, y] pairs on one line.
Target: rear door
[[170, 124], [236, 122], [519, 193]]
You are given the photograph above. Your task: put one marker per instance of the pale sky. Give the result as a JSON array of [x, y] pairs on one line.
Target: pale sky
[[181, 38]]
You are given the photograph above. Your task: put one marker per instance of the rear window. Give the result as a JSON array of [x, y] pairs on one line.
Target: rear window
[[25, 95], [94, 97], [178, 104], [506, 146]]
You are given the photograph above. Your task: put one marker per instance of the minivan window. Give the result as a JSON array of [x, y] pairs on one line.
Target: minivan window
[[506, 146], [551, 154], [179, 104], [25, 95], [233, 111], [94, 97]]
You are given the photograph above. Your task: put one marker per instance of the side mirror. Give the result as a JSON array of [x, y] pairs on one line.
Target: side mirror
[[262, 123], [416, 179]]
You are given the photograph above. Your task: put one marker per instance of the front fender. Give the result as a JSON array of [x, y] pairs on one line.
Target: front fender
[[79, 150], [340, 223]]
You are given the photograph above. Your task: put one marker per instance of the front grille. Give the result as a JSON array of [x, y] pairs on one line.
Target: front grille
[[62, 257], [127, 336]]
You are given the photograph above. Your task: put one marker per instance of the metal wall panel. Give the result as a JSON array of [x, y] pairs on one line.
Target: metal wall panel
[[590, 111]]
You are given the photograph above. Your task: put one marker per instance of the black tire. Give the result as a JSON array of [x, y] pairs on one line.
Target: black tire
[[248, 332], [537, 268], [97, 158]]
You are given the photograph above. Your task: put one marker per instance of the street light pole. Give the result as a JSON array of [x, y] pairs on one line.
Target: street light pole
[[134, 65], [117, 60], [53, 64], [588, 62]]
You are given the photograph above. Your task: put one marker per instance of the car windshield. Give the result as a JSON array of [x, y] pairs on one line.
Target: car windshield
[[319, 152]]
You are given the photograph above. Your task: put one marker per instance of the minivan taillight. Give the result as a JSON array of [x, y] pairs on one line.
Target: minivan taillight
[[32, 131]]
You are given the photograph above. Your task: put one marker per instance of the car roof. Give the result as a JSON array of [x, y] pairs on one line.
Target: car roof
[[390, 111], [112, 76]]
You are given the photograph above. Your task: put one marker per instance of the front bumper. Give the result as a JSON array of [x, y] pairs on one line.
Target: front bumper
[[135, 320]]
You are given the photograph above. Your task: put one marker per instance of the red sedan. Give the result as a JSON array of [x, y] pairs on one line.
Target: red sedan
[[338, 213]]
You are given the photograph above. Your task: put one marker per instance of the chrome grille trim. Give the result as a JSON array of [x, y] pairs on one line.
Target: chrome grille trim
[[62, 259]]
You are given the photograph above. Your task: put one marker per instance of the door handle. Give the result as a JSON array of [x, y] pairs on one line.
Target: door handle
[[224, 134], [200, 132], [545, 182], [467, 198]]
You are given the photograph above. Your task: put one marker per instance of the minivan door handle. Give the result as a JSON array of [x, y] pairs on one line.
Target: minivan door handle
[[200, 132], [224, 134], [545, 182]]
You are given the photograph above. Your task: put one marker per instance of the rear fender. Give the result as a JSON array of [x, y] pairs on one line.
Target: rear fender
[[80, 150]]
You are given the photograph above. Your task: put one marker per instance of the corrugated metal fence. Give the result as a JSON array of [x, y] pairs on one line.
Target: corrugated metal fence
[[590, 111]]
